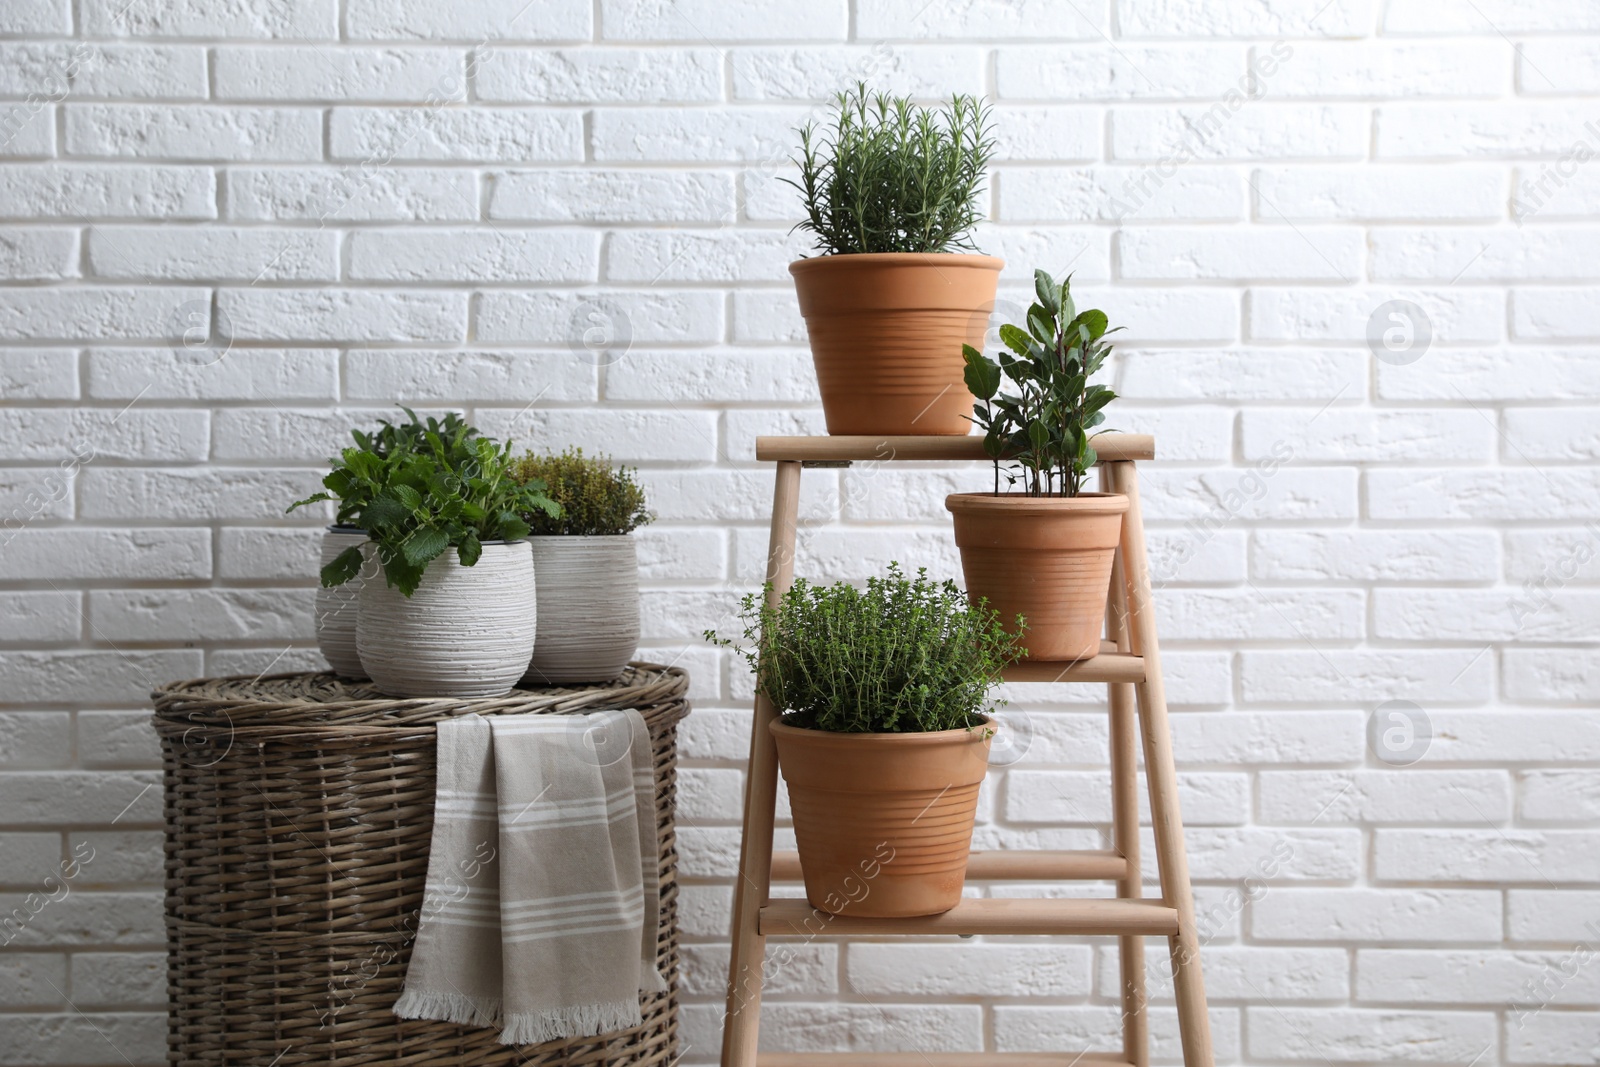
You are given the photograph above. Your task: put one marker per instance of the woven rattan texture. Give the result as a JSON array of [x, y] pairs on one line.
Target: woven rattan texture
[[298, 814]]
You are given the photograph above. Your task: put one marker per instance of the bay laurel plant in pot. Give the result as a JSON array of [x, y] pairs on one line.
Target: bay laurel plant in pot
[[1042, 550], [452, 616], [588, 566], [883, 740], [891, 192]]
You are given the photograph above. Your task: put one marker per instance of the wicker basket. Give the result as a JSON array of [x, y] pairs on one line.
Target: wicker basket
[[299, 810]]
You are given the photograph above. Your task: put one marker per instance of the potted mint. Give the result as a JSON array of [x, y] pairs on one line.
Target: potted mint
[[588, 566], [1043, 550], [884, 734], [451, 617], [892, 193]]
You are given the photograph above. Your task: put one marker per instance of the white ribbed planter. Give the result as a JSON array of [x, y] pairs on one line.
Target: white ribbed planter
[[588, 608], [465, 632], [337, 607]]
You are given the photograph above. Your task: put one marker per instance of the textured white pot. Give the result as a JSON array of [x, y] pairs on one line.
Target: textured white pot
[[465, 632], [337, 607], [588, 608]]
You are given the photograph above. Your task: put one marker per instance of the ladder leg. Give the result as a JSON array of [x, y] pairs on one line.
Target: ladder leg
[[1172, 860], [742, 1023], [1125, 817]]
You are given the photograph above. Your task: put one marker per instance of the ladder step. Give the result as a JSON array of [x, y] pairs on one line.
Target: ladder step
[[981, 915], [1106, 667], [941, 1059], [1083, 865]]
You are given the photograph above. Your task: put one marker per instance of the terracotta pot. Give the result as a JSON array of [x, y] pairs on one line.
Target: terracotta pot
[[883, 821], [465, 632], [588, 593], [886, 334], [1047, 559], [337, 607]]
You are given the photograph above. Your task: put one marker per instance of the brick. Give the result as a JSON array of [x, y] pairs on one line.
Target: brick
[[119, 980], [120, 856], [1523, 735], [695, 135], [1486, 17], [1252, 974], [117, 739], [144, 553], [1562, 617], [1403, 253], [1374, 555], [729, 496], [669, 553], [35, 739], [1207, 799], [351, 315], [243, 374], [63, 1040], [1437, 677], [353, 194], [194, 614], [1555, 915], [149, 313], [628, 436], [128, 72], [1553, 1037], [1194, 18], [380, 136], [196, 494], [653, 196], [56, 798], [702, 377], [467, 376], [1028, 20], [969, 970], [652, 257], [1114, 194], [1193, 433], [38, 374], [33, 979], [1376, 915], [212, 254], [268, 553], [472, 21], [1092, 72], [342, 74], [1380, 193], [1274, 854], [1210, 499], [1304, 315], [1560, 796], [1560, 434], [1299, 254], [1391, 69], [1411, 795], [821, 1027], [254, 662], [97, 919], [1162, 315], [1022, 1028], [710, 795], [192, 131], [38, 617], [767, 315], [1388, 436], [287, 434], [497, 256], [1084, 252], [704, 910], [699, 20], [1547, 856], [38, 255], [1345, 1035], [30, 130], [1450, 495], [788, 968], [27, 859], [37, 16], [817, 72], [1224, 131], [600, 327], [1557, 314], [83, 191], [1474, 977], [1262, 614], [1556, 66], [600, 75], [1046, 134], [1553, 555], [30, 494], [1478, 130], [293, 19]]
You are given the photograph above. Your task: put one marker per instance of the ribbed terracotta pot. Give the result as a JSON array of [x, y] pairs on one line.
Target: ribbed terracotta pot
[[337, 607], [588, 592], [1047, 559], [465, 632], [886, 334], [883, 822]]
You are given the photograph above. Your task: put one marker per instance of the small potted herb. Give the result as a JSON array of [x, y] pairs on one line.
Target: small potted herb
[[884, 737], [587, 565], [892, 194], [1044, 550], [443, 518]]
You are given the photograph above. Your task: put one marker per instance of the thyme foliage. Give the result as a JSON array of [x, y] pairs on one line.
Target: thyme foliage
[[595, 497]]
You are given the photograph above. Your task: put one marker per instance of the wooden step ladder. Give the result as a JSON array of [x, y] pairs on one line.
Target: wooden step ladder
[[1129, 664]]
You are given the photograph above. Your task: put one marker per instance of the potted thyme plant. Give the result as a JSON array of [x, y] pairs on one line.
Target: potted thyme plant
[[891, 194], [588, 566], [1044, 550], [884, 737], [442, 515]]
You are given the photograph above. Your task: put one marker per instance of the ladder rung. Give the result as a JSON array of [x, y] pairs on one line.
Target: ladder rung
[[1106, 667], [1110, 447], [1083, 865], [941, 1059], [982, 915]]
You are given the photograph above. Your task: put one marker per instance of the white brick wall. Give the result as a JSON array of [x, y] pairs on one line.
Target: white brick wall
[[365, 202]]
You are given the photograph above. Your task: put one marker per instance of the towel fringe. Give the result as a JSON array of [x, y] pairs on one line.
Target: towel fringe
[[579, 1020], [448, 1007]]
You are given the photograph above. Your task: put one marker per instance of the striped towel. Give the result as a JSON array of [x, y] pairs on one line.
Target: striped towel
[[541, 906]]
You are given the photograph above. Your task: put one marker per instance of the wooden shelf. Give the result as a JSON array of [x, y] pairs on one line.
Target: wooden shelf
[[940, 1059], [1106, 667], [1083, 865], [981, 915], [1111, 447]]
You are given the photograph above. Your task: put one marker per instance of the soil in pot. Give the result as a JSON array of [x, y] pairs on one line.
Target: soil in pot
[[588, 596], [883, 822], [886, 332], [1046, 558], [465, 632], [338, 606]]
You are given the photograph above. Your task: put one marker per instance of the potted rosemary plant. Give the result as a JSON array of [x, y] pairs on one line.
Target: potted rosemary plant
[[442, 515], [1044, 550], [588, 566], [891, 195], [884, 737]]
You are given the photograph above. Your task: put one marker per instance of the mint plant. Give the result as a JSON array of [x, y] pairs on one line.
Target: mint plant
[[891, 176], [422, 488], [904, 655], [1044, 427]]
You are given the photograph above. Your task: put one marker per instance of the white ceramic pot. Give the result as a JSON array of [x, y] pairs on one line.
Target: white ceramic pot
[[465, 632], [588, 608], [337, 607]]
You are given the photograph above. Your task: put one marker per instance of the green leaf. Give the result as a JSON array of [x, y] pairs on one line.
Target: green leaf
[[1016, 340], [343, 567], [1049, 293], [423, 546], [314, 498], [470, 549], [1093, 320], [982, 374], [409, 497], [384, 510], [1041, 324]]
